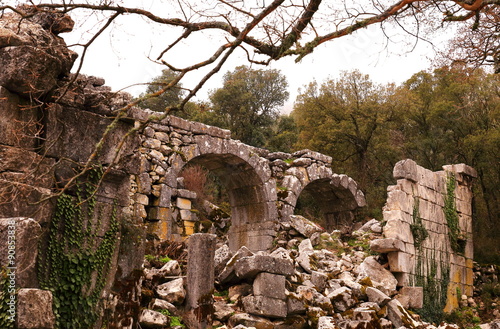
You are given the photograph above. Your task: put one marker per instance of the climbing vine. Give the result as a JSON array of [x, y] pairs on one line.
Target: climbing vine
[[417, 228], [76, 262], [435, 287], [451, 215], [5, 300]]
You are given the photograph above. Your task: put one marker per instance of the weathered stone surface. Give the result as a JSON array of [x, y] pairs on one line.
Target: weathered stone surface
[[269, 285], [295, 304], [172, 291], [249, 267], [19, 123], [200, 279], [153, 319], [34, 61], [415, 295], [160, 304], [228, 273], [399, 316], [364, 314], [250, 321], [170, 268], [222, 311], [327, 322], [380, 277], [304, 226], [386, 245], [34, 309], [314, 298], [406, 169], [342, 299], [221, 257], [377, 296], [265, 306], [291, 322], [19, 236]]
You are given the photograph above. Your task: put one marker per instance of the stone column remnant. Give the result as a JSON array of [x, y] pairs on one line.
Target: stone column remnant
[[200, 280]]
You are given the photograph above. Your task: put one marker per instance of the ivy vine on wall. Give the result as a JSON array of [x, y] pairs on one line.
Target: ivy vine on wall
[[81, 241], [451, 215]]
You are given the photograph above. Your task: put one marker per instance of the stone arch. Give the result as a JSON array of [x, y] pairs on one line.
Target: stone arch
[[337, 195], [247, 179]]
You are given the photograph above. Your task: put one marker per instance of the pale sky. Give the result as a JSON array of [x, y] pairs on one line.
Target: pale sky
[[120, 56]]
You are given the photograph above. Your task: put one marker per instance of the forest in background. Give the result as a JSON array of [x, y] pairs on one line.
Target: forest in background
[[445, 116]]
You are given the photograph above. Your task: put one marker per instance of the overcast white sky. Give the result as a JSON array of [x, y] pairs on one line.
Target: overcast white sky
[[120, 56]]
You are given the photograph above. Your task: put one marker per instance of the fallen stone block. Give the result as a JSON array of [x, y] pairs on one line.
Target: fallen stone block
[[291, 322], [222, 311], [295, 304], [380, 277], [265, 306], [173, 291], [228, 273], [249, 320], [304, 226], [269, 285], [34, 309], [249, 267], [377, 296], [153, 319], [397, 314], [342, 299]]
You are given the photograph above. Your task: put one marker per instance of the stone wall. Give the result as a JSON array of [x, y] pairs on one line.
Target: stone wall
[[262, 187], [420, 245]]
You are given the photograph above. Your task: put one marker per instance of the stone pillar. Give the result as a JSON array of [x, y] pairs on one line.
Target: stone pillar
[[200, 280]]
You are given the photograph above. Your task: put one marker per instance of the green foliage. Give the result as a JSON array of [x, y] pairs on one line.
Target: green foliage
[[417, 228], [249, 103], [285, 134], [5, 296], [451, 215], [353, 120], [169, 98], [165, 259], [176, 321], [465, 317], [435, 288], [78, 255]]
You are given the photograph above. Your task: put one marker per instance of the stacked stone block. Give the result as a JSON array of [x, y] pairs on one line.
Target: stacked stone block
[[416, 203]]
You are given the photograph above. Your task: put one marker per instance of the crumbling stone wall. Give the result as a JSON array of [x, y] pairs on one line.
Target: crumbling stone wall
[[263, 188], [420, 241], [44, 143]]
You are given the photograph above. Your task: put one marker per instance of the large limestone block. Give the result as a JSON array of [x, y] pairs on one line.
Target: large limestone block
[[172, 291], [153, 319], [406, 169], [269, 285], [19, 250], [304, 226], [380, 277], [400, 262], [34, 309], [386, 245], [415, 296], [249, 267], [265, 306], [228, 273], [376, 296], [397, 314]]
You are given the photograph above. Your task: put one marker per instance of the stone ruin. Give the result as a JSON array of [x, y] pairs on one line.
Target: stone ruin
[[50, 123]]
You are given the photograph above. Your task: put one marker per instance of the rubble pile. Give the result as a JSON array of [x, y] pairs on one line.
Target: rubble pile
[[312, 279]]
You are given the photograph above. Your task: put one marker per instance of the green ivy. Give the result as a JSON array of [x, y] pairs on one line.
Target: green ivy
[[417, 228], [5, 319], [451, 215], [77, 258], [435, 289]]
